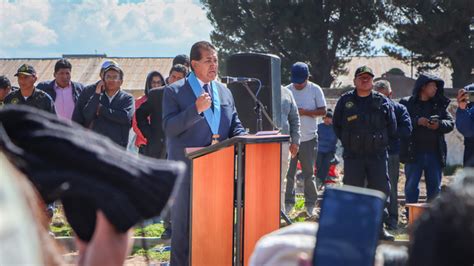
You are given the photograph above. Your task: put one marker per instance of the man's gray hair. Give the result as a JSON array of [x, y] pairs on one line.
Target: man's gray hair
[[382, 85]]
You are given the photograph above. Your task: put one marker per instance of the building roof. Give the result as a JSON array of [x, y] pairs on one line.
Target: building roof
[[382, 64], [85, 69]]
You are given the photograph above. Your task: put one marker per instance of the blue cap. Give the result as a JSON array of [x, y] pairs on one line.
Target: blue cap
[[469, 87], [299, 72], [108, 63]]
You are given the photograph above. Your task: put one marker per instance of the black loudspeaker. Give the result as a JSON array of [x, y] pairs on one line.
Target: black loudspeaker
[[266, 68]]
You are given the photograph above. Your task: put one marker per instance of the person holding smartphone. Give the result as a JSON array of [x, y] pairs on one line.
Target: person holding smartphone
[[425, 150], [109, 110], [465, 122]]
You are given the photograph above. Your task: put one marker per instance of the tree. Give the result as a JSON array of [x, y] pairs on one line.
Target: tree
[[435, 32], [320, 32]]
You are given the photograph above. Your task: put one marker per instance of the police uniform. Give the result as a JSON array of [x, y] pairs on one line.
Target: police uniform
[[364, 125], [38, 99]]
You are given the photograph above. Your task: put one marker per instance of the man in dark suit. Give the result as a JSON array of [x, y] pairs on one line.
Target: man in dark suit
[[62, 90], [197, 111]]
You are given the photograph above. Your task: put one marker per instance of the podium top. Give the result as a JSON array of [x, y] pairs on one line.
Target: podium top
[[196, 152]]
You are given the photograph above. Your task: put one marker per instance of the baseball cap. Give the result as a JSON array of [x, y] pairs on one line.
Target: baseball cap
[[469, 87], [26, 69], [114, 67], [4, 82], [108, 63], [363, 70], [299, 72], [329, 113]]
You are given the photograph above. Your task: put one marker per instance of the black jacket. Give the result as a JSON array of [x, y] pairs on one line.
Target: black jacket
[[111, 119], [38, 99], [87, 92], [364, 127], [48, 87], [439, 105], [152, 129]]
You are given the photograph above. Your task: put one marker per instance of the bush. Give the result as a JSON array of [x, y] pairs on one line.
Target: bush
[[152, 230]]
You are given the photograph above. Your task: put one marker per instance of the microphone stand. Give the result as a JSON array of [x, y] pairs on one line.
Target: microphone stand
[[259, 109]]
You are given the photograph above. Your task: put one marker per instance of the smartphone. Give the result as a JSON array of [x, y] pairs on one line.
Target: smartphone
[[434, 119], [349, 226]]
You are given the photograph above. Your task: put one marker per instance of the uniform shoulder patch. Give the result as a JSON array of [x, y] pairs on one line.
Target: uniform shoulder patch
[[349, 104], [14, 101]]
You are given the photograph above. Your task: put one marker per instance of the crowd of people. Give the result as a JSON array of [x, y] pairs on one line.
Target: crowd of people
[[190, 108]]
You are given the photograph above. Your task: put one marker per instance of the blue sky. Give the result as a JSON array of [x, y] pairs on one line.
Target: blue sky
[[148, 28], [42, 28]]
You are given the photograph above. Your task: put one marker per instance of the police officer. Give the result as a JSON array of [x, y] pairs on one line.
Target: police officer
[[363, 121], [28, 94]]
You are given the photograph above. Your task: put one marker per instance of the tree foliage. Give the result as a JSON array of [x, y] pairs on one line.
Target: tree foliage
[[320, 32], [436, 32]]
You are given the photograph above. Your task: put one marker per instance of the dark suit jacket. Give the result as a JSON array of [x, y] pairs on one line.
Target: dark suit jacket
[[152, 128], [48, 87], [85, 95], [111, 119], [184, 127]]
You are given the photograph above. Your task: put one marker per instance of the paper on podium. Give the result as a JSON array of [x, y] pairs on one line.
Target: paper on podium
[[267, 133]]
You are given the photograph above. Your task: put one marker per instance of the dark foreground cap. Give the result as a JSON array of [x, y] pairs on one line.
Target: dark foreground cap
[[26, 69], [363, 70], [84, 170]]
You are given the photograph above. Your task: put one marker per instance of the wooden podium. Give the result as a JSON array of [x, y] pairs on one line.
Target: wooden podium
[[235, 197]]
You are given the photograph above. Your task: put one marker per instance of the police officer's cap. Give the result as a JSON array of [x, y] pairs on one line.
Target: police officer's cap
[[26, 69], [363, 70]]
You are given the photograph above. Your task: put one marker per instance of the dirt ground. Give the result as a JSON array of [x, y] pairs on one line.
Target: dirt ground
[[402, 231], [400, 234], [70, 259]]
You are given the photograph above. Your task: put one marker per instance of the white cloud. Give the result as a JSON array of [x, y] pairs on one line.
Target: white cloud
[[25, 23], [105, 25]]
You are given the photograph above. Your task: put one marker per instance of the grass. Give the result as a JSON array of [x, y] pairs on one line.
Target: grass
[[64, 230], [299, 215], [299, 206], [59, 225]]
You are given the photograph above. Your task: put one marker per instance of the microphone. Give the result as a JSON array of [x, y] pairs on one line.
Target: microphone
[[228, 79]]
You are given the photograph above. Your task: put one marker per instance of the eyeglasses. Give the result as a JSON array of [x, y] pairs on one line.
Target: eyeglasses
[[112, 77]]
